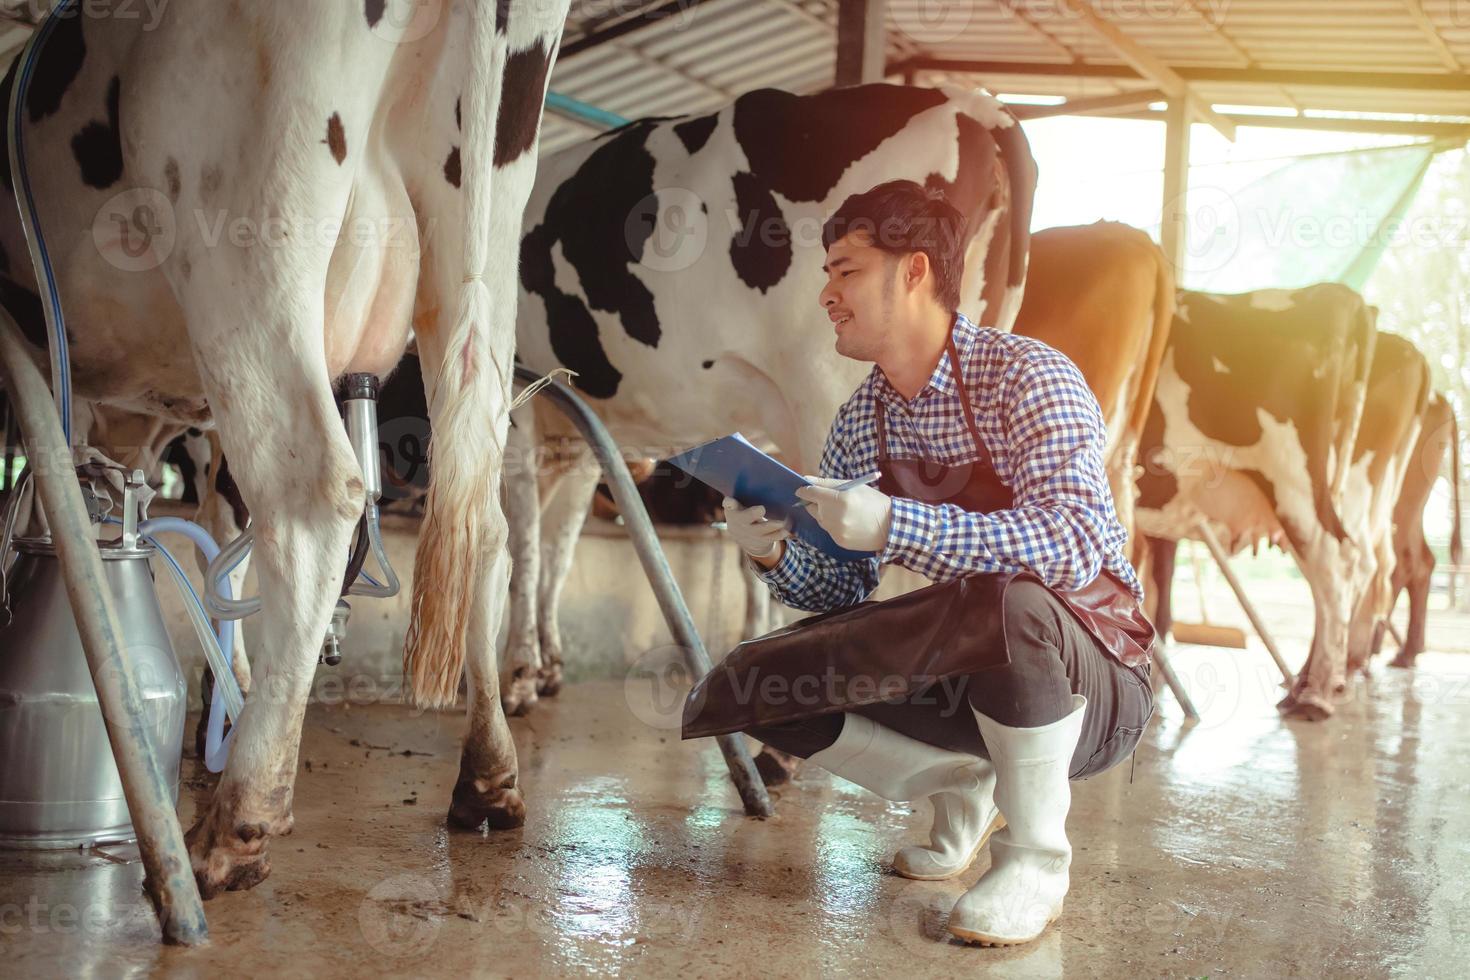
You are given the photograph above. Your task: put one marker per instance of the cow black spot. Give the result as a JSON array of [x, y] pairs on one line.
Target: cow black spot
[[800, 145], [224, 485], [1157, 485], [696, 132], [172, 179], [522, 91], [98, 147], [708, 365], [451, 167], [458, 120], [25, 307], [58, 67], [601, 216], [336, 138], [760, 248], [375, 10]]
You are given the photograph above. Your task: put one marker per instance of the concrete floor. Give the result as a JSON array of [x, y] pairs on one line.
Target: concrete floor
[[1241, 847]]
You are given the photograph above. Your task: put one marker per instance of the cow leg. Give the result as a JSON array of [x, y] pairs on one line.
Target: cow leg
[[522, 659], [1327, 564], [1368, 619], [1417, 584], [562, 517], [1162, 555], [297, 469]]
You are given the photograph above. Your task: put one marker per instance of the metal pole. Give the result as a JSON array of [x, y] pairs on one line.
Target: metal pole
[[656, 567], [1172, 679], [1223, 560], [169, 879], [1174, 219], [861, 36], [1393, 631]]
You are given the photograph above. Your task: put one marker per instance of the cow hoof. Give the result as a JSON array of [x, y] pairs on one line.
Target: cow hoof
[[477, 802], [1403, 661], [230, 855], [1304, 706], [548, 680], [776, 767], [518, 697]]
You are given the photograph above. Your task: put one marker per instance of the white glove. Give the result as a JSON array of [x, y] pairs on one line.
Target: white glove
[[857, 519], [757, 536]]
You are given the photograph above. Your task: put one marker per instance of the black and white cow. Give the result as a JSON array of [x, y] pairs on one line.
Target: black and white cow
[[247, 201], [1255, 416], [674, 264]]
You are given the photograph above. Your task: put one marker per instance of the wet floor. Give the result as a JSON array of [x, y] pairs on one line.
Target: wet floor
[[1242, 847]]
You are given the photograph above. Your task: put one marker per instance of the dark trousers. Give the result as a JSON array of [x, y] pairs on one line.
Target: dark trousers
[[1052, 657]]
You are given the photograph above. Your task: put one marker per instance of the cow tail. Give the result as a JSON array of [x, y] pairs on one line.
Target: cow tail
[[1020, 171], [1456, 546], [469, 406], [1164, 305]]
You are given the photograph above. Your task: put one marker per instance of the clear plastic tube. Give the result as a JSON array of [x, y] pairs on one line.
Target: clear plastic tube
[[218, 650]]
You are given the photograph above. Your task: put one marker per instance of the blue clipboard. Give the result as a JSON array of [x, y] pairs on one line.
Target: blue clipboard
[[737, 469]]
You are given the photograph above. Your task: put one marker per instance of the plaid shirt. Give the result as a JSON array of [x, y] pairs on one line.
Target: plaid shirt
[[1046, 437]]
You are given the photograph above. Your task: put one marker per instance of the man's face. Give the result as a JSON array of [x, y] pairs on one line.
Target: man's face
[[863, 297]]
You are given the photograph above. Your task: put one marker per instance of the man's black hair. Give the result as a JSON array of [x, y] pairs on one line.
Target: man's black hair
[[901, 217]]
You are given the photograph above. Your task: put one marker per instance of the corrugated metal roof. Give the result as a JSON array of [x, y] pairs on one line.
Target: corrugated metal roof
[[676, 56], [706, 55]]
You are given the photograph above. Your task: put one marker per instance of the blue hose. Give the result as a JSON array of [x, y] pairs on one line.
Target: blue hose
[[26, 202]]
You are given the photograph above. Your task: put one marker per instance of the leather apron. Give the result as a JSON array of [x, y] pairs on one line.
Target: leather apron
[[890, 650]]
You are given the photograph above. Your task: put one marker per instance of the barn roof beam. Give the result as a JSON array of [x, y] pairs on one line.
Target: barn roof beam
[[1098, 104], [1390, 80], [1450, 131], [1150, 66], [1431, 33]]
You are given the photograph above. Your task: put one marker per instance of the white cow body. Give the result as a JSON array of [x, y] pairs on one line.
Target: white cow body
[[731, 356]]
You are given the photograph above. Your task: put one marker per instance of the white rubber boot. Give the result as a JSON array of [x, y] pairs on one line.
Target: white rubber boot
[[901, 769], [1022, 893]]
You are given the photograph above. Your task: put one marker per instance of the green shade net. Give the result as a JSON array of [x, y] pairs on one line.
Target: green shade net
[[1290, 223]]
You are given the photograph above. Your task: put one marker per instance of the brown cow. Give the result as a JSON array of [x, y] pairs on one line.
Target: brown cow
[[1393, 415], [1414, 561], [1103, 294]]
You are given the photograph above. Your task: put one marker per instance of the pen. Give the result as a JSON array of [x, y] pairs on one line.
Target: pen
[[861, 481]]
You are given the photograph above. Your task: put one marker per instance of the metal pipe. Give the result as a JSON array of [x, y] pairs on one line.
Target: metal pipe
[[1223, 560], [656, 566], [1172, 679], [583, 112], [169, 880], [1393, 631]]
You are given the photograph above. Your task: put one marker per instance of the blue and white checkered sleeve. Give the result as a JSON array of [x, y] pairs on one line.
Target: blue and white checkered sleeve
[[1063, 507], [807, 579]]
